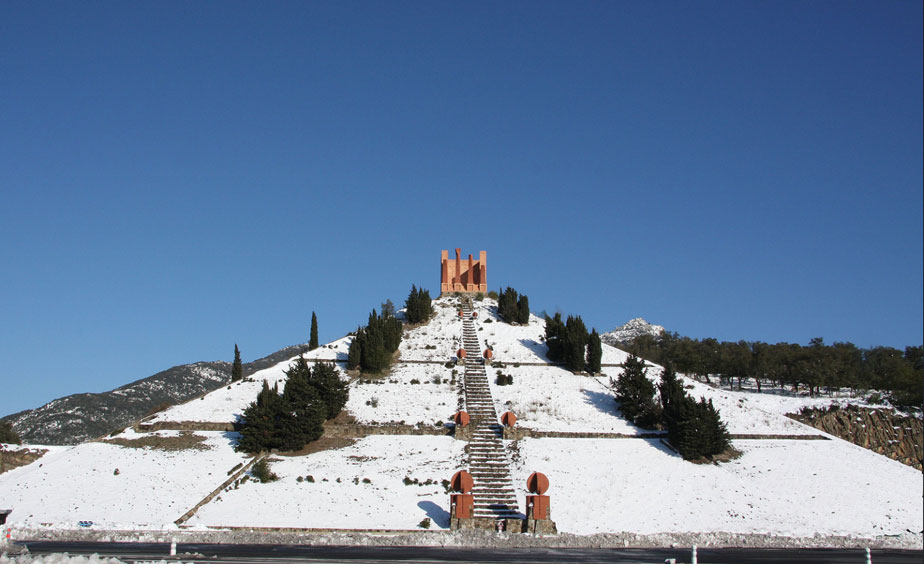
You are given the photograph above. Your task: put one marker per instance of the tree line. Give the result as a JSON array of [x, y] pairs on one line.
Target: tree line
[[811, 367], [570, 343], [290, 420]]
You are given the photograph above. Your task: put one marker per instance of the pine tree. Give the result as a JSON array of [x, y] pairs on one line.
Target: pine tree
[[418, 307], [594, 353], [313, 340], [237, 369]]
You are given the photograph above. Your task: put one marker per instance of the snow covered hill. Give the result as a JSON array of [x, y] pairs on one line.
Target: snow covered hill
[[606, 475], [634, 328]]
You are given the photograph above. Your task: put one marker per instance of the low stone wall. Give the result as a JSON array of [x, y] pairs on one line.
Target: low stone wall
[[470, 537], [184, 426], [359, 430]]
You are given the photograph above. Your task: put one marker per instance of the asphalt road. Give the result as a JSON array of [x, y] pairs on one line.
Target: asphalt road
[[280, 554]]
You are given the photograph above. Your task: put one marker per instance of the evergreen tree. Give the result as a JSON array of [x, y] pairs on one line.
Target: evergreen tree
[[374, 357], [418, 306], [305, 409], [313, 340], [523, 310], [575, 346], [594, 353], [355, 357], [237, 369], [507, 305], [8, 435], [332, 390], [555, 337], [693, 428], [259, 429], [635, 394]]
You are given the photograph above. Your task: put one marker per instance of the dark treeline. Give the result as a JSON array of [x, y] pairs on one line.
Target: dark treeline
[[812, 367]]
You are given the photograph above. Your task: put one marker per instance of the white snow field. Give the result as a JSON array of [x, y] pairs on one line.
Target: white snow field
[[783, 487], [152, 489], [340, 496]]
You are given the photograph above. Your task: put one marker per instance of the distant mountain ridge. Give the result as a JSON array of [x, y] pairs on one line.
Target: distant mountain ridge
[[78, 417], [634, 328]]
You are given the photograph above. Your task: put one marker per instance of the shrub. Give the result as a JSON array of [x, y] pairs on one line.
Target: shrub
[[493, 295], [262, 473], [425, 524], [415, 381], [479, 296], [309, 478]]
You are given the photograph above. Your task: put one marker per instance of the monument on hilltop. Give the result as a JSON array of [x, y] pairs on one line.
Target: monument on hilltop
[[463, 276]]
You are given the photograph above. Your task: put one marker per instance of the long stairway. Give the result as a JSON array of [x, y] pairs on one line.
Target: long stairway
[[493, 489]]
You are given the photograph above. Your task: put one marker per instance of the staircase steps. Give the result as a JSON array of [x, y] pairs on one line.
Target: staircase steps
[[494, 493]]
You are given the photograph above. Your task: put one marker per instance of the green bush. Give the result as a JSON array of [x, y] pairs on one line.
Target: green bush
[[262, 473]]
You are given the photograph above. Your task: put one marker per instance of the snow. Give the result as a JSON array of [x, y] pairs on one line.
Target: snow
[[784, 487], [226, 404], [396, 399], [795, 488], [152, 489], [340, 497]]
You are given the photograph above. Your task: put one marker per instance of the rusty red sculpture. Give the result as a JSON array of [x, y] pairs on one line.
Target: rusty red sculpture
[[508, 419], [461, 418]]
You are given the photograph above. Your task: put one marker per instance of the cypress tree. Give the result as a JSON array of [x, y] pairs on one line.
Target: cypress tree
[[259, 429], [594, 353], [305, 410], [237, 369], [523, 310], [635, 394], [313, 339], [333, 391], [355, 357], [575, 346], [555, 337]]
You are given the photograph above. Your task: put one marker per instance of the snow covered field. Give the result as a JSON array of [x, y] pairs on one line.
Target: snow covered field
[[795, 488], [152, 489], [340, 496]]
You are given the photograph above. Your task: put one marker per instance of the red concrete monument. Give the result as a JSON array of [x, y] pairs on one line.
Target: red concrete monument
[[463, 276]]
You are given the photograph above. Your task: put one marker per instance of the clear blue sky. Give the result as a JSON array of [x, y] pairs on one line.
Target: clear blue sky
[[178, 177]]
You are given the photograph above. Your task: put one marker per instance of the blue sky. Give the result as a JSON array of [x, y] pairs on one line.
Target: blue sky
[[178, 177]]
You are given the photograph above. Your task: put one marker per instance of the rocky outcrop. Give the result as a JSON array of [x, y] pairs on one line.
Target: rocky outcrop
[[880, 430], [634, 328]]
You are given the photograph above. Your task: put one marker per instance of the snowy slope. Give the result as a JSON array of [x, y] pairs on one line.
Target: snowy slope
[[791, 487]]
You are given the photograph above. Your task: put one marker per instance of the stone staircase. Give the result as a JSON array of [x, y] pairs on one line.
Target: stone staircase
[[493, 489]]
